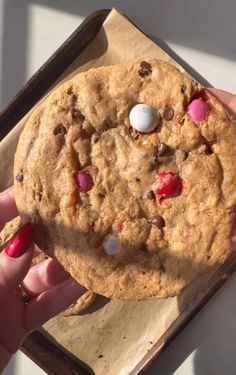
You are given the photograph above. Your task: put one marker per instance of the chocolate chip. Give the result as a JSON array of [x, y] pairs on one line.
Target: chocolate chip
[[145, 69], [71, 93], [38, 197], [100, 356], [20, 177], [157, 220], [59, 129], [149, 195], [95, 137], [76, 115], [183, 88], [101, 196], [137, 179], [162, 149], [208, 149], [168, 113]]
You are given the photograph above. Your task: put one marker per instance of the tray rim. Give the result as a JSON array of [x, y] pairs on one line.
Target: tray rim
[[48, 73], [7, 122]]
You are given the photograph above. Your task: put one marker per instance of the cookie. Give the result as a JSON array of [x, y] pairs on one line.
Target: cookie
[[9, 230], [128, 173], [81, 304]]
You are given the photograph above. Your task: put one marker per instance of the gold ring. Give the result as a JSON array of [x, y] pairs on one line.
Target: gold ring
[[24, 296]]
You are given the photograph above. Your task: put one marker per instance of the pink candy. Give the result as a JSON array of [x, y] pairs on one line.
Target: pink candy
[[198, 110], [84, 181]]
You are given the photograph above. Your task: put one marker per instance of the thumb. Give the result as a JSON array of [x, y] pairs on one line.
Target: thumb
[[15, 260], [226, 98]]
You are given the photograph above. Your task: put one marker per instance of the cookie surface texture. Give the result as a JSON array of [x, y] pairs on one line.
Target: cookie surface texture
[[81, 304], [9, 230], [130, 213]]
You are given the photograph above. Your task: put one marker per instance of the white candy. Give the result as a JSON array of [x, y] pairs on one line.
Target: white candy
[[111, 244], [143, 118]]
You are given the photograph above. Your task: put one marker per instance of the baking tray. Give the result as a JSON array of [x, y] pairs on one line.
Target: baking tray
[[38, 346]]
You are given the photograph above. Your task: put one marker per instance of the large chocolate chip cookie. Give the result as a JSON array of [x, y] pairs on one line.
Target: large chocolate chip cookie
[[128, 172]]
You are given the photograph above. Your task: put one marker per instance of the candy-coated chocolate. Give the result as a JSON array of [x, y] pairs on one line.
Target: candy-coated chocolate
[[84, 181], [168, 184], [198, 110], [143, 118], [111, 244]]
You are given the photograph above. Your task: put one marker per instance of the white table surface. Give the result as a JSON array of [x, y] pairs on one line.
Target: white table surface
[[203, 34]]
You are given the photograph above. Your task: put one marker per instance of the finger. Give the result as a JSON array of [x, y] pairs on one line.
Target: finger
[[15, 260], [13, 271], [37, 251], [226, 98], [8, 208], [52, 302], [44, 276]]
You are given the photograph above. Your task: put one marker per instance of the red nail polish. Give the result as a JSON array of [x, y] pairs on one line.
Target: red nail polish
[[20, 242]]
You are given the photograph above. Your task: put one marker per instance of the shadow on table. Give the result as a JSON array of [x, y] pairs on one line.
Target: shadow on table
[[190, 70], [211, 335]]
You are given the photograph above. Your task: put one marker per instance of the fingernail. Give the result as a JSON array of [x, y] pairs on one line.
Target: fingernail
[[20, 242]]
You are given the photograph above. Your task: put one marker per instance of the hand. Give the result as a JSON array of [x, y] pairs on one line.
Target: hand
[[52, 289], [226, 98]]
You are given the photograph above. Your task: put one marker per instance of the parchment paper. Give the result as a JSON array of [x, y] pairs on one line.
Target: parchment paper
[[111, 336]]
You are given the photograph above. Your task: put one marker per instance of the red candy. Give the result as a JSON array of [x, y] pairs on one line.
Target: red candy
[[168, 184], [84, 181], [198, 110]]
